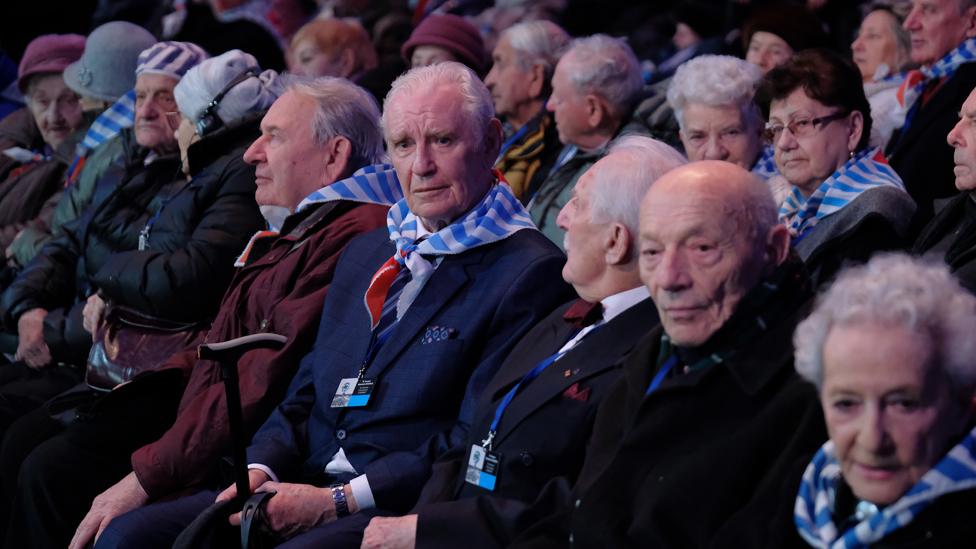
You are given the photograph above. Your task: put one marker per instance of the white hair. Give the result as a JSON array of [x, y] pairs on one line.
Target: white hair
[[606, 67], [896, 290], [343, 108], [537, 42], [620, 186], [716, 81], [477, 100]]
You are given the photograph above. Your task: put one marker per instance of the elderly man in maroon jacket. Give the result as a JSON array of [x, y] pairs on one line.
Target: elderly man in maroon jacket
[[316, 157]]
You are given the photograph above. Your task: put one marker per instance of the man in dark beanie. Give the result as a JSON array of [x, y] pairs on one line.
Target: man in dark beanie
[[774, 33]]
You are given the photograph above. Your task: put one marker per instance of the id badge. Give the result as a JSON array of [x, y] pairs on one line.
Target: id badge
[[482, 468], [353, 393]]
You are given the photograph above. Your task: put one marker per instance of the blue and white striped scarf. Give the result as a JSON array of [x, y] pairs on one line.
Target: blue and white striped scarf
[[765, 166], [916, 80], [119, 115], [813, 512], [866, 170], [374, 184], [498, 216]]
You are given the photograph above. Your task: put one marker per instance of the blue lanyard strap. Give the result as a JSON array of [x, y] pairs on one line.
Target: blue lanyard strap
[[533, 373], [512, 140], [662, 373]]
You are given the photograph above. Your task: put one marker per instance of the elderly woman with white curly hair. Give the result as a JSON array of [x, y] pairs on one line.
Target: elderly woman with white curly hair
[[890, 346], [713, 101]]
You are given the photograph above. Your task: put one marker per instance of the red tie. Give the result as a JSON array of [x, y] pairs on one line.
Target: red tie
[[378, 289]]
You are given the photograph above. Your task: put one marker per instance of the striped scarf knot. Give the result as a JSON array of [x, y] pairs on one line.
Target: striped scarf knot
[[865, 170], [497, 216], [814, 508], [374, 184], [916, 80]]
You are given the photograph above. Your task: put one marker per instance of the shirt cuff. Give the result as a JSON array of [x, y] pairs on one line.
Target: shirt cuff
[[267, 470], [362, 492]]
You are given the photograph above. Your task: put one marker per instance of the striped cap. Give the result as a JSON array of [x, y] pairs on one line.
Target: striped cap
[[170, 58]]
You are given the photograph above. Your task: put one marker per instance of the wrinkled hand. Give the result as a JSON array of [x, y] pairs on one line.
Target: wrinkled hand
[[92, 314], [125, 496], [391, 533], [31, 347], [294, 508], [255, 478]]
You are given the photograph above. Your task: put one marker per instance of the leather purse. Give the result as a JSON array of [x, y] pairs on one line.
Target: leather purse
[[129, 342]]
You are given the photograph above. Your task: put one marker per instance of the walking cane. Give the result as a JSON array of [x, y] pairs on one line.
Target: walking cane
[[227, 353]]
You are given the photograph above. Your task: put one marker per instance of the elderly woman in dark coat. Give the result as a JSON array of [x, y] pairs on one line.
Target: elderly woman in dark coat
[[890, 347], [171, 259], [846, 202]]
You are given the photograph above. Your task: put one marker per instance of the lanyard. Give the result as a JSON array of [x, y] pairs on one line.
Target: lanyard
[[533, 373], [659, 377], [144, 233], [565, 156], [512, 140]]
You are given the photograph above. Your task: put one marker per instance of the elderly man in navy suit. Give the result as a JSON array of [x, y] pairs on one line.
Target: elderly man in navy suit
[[417, 321], [534, 420]]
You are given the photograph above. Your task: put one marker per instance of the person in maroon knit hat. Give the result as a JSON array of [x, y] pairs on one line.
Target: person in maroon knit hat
[[440, 38]]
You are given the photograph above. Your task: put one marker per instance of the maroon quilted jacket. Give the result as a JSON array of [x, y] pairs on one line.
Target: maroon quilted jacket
[[280, 289]]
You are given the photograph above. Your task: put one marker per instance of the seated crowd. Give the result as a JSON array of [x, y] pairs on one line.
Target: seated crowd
[[478, 275]]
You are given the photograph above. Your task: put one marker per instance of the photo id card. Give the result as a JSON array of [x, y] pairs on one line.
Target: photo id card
[[482, 468], [353, 393]]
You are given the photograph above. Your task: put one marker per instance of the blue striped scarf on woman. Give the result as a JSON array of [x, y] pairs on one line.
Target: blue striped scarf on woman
[[813, 512], [865, 170]]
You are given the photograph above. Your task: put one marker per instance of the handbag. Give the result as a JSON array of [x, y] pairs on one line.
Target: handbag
[[129, 342]]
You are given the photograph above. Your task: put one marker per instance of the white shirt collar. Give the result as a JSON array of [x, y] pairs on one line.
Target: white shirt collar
[[617, 303]]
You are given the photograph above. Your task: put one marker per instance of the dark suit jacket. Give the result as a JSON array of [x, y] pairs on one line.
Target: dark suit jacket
[[712, 459], [542, 435], [485, 298], [920, 153], [961, 255]]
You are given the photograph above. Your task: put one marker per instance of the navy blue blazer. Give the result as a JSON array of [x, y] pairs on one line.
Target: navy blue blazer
[[484, 300]]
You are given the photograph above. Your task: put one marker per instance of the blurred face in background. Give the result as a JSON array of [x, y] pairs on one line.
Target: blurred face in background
[[720, 133], [767, 51], [876, 44], [55, 108], [425, 55], [937, 27]]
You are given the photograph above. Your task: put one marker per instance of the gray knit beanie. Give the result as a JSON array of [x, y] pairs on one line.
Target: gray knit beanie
[[249, 97]]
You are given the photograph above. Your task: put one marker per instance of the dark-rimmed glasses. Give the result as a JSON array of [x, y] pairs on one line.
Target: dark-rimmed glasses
[[800, 127]]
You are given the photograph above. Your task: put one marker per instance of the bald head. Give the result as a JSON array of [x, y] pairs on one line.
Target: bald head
[[708, 235]]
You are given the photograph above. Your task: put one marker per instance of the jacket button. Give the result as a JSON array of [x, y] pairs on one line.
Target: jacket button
[[341, 434], [264, 324], [527, 459], [578, 502]]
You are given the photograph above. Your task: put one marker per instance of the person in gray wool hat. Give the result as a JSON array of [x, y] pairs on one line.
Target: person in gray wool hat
[[107, 68]]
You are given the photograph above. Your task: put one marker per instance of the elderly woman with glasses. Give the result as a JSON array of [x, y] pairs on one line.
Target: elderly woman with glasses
[[845, 202], [890, 347]]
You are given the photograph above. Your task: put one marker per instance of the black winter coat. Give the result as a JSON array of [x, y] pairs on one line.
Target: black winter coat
[[196, 229]]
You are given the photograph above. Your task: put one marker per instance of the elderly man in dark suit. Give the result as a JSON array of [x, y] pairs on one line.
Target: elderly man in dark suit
[[417, 321], [703, 439], [943, 36], [546, 393]]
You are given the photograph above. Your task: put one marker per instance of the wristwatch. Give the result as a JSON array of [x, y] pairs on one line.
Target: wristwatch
[[339, 498]]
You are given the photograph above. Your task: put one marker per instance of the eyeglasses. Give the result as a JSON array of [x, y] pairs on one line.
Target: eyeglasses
[[801, 127]]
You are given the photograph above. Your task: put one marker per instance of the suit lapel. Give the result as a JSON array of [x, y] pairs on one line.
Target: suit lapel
[[599, 351], [927, 115], [451, 275]]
